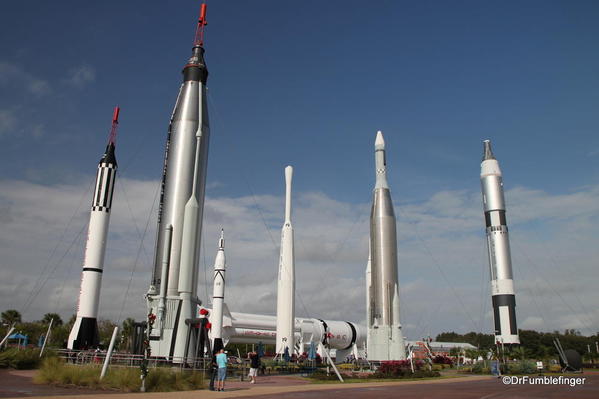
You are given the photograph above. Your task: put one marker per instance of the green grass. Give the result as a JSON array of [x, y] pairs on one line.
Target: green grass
[[56, 372]]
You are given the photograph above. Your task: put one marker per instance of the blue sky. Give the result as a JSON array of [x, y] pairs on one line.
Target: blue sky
[[308, 84]]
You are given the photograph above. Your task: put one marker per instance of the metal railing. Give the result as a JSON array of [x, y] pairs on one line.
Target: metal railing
[[121, 359]]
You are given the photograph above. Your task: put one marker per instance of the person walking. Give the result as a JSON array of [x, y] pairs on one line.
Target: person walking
[[221, 361], [254, 366], [213, 370]]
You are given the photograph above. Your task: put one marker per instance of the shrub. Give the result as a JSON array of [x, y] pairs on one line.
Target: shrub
[[522, 367], [437, 367], [480, 368], [55, 371], [439, 359], [397, 368], [554, 368], [321, 375], [21, 359]]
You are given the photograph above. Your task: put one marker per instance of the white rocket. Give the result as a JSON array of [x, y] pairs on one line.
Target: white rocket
[[84, 333], [286, 282], [384, 337], [498, 246], [218, 294]]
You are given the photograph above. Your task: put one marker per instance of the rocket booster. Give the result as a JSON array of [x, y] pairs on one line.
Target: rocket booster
[[384, 338], [84, 333], [218, 294], [173, 290], [188, 133], [286, 282], [498, 246]]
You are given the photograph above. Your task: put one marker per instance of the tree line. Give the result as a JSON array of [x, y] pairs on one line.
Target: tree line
[[533, 344], [61, 330]]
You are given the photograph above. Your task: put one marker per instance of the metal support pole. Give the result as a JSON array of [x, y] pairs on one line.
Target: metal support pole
[[109, 353], [7, 335], [324, 350], [46, 337]]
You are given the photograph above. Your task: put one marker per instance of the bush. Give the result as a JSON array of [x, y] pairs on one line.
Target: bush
[[437, 367], [55, 371], [397, 368], [21, 359], [554, 368], [439, 359], [522, 367], [480, 368], [321, 375]]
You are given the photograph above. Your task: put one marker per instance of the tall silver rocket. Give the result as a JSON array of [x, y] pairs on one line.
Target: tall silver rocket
[[174, 279], [384, 338], [286, 283], [84, 333], [498, 246]]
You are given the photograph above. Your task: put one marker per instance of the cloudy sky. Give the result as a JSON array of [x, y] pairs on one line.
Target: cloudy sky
[[308, 84]]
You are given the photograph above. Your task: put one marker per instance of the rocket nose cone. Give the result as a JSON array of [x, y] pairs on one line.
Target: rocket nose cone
[[379, 142], [487, 152], [221, 241]]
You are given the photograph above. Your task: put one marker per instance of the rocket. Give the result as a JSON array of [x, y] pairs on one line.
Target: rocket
[[84, 333], [286, 281], [384, 335], [181, 210], [498, 246], [218, 294]]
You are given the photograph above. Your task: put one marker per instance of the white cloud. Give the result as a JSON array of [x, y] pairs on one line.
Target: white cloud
[[442, 255], [12, 75], [81, 75], [8, 122]]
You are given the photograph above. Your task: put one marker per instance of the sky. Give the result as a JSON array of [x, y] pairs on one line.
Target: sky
[[308, 84]]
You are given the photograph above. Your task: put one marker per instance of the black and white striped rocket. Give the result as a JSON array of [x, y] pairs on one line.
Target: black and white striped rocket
[[498, 245], [218, 294], [85, 330]]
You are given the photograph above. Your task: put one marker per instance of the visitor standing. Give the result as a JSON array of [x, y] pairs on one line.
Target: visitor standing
[[221, 362]]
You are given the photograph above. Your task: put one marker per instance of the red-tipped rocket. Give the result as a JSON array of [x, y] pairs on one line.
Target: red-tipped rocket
[[173, 292], [85, 330]]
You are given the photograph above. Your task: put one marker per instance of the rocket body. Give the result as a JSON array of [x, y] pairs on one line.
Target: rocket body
[[384, 337], [498, 246], [84, 333], [180, 217], [218, 294], [190, 115], [286, 280]]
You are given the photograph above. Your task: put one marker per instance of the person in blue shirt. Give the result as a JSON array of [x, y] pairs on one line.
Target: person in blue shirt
[[221, 361]]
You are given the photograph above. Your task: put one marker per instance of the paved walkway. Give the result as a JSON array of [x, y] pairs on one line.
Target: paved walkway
[[484, 387]]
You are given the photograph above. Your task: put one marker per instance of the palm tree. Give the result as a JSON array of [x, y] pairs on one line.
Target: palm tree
[[52, 316], [519, 352], [11, 316], [127, 333], [472, 354]]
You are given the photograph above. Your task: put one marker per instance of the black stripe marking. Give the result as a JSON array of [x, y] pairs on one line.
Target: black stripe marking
[[99, 187], [508, 300], [174, 336], [353, 335], [92, 269]]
